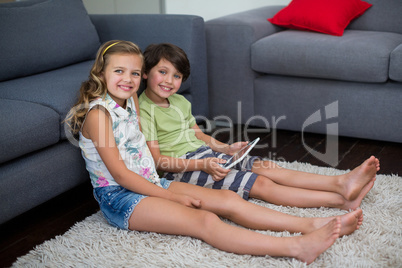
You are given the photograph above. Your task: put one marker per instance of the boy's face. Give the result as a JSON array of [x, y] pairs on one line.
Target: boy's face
[[163, 81], [122, 76]]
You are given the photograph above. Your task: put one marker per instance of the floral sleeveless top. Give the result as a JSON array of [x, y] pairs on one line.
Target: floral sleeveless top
[[130, 142]]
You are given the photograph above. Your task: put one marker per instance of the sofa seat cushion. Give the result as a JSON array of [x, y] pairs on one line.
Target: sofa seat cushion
[[395, 66], [42, 35], [361, 56], [26, 127], [56, 89]]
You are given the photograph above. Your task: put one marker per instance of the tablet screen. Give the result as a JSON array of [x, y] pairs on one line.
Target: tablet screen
[[239, 155]]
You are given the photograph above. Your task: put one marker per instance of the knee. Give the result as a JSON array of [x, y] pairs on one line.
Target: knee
[[229, 197], [207, 223], [229, 204], [262, 188], [263, 184]]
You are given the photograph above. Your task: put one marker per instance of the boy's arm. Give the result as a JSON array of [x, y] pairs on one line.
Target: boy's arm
[[165, 163], [216, 145]]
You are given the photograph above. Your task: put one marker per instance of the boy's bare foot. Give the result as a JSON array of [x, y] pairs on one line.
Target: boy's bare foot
[[350, 222], [354, 204], [354, 181], [311, 245]]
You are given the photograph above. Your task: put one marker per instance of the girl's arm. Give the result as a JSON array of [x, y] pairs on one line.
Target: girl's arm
[[98, 128]]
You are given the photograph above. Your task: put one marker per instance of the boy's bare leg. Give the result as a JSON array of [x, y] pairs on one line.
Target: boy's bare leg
[[230, 205], [348, 185], [267, 190], [163, 216]]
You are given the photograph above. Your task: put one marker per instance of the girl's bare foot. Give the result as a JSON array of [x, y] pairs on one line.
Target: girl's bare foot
[[350, 222], [354, 181], [311, 245], [357, 202]]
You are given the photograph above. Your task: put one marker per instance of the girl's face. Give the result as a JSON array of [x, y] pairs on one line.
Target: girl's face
[[122, 76], [163, 81]]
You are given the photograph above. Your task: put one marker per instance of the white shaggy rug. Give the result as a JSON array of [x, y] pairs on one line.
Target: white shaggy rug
[[93, 243]]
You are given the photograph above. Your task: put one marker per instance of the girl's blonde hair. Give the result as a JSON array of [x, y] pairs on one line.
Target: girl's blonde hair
[[95, 86]]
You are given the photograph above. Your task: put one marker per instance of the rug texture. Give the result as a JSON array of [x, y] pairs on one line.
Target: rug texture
[[93, 243]]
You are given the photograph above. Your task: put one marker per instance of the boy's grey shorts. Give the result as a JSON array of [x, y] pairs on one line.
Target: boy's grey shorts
[[240, 179]]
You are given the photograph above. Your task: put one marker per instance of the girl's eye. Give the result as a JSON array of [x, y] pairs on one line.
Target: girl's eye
[[136, 74], [118, 71]]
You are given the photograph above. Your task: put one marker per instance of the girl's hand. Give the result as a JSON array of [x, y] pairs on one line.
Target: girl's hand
[[235, 147], [212, 166], [186, 200]]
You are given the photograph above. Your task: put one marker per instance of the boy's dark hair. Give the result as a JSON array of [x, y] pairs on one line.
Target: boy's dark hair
[[155, 52]]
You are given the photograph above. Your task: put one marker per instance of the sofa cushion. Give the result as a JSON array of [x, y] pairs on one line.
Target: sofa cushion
[[26, 127], [330, 17], [361, 56], [383, 16], [46, 34], [38, 177], [56, 89], [395, 66]]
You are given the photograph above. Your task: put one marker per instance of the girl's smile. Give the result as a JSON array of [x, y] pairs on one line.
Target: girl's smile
[[125, 88]]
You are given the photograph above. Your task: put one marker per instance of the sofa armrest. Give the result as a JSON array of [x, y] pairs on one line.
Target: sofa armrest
[[185, 31], [230, 77]]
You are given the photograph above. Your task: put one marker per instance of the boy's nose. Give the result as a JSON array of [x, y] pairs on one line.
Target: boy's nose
[[169, 79]]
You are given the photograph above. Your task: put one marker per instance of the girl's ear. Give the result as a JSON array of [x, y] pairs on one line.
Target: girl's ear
[[144, 76]]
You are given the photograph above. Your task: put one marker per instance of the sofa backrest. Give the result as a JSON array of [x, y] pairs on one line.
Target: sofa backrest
[[384, 15], [42, 35]]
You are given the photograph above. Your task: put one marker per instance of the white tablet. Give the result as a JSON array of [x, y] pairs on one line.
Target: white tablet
[[239, 155]]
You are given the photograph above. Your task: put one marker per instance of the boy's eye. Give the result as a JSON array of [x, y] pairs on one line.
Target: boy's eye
[[162, 72], [177, 76], [136, 74]]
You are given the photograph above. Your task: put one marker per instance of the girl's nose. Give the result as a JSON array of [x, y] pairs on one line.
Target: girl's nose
[[127, 78]]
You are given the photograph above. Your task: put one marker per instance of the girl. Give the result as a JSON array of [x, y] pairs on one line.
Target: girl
[[132, 196]]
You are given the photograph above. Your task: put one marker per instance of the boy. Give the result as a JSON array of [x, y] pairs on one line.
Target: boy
[[186, 154]]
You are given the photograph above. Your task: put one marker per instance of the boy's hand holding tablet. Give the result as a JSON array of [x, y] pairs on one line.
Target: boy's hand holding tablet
[[239, 155]]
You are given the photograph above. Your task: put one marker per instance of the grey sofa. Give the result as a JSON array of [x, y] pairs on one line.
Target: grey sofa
[[287, 78], [46, 50]]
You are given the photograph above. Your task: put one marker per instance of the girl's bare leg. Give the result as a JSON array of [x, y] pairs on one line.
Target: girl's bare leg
[[348, 185], [267, 190], [231, 206], [164, 216]]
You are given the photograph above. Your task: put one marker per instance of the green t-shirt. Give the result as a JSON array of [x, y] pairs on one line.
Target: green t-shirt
[[171, 127]]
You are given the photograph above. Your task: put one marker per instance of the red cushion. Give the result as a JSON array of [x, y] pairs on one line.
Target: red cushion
[[325, 16]]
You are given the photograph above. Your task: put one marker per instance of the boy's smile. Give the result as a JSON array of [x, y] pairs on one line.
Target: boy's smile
[[163, 81]]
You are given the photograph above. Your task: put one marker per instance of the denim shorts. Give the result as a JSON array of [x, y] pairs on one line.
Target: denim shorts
[[117, 203]]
